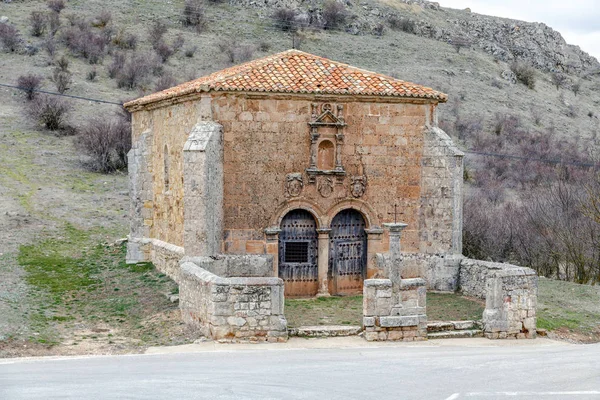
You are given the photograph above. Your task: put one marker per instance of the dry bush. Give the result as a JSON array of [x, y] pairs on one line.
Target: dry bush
[[125, 40], [135, 71], [507, 124], [190, 51], [62, 63], [285, 19], [50, 112], [558, 80], [62, 80], [178, 43], [166, 81], [525, 73], [50, 46], [106, 142], [164, 51], [264, 46], [84, 43], [53, 22], [117, 64], [91, 75], [156, 32], [38, 23], [194, 15], [30, 84], [56, 5], [401, 24], [576, 87], [379, 29], [102, 19], [235, 52], [334, 14], [9, 37]]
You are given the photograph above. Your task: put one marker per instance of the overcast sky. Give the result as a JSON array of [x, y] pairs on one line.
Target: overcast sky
[[577, 20]]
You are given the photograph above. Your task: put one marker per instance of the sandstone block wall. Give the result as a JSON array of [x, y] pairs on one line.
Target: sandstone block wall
[[394, 312], [232, 309], [510, 294]]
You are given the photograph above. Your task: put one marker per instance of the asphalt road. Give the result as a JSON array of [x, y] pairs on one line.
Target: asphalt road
[[558, 371]]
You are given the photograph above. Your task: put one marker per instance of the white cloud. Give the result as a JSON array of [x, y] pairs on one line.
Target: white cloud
[[576, 20]]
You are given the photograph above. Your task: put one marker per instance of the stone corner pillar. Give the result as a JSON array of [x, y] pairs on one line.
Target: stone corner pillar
[[272, 235], [323, 261], [203, 189], [140, 197]]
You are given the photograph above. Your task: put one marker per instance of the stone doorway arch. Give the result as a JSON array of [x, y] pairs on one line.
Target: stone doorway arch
[[347, 253], [298, 248]]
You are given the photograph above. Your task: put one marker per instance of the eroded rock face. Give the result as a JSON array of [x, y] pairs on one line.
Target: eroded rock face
[[534, 43]]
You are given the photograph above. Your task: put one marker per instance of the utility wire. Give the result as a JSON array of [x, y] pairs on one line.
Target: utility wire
[[61, 94]]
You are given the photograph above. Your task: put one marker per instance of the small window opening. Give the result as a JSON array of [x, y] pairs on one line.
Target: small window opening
[[296, 252]]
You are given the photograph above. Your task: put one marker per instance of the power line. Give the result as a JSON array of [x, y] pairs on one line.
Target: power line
[[61, 94]]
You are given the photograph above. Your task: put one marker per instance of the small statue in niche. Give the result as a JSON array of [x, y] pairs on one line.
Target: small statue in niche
[[325, 186], [358, 186], [294, 184]]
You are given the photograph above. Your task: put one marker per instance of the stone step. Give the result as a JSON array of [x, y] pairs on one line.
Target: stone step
[[467, 333], [325, 331], [445, 326]]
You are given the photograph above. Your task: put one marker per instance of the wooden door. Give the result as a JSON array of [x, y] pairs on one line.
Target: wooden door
[[298, 254], [347, 253]]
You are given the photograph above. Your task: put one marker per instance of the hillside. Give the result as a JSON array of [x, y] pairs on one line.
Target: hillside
[[49, 199]]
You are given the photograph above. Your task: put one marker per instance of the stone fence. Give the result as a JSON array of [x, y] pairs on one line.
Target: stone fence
[[510, 294], [231, 309], [394, 313]]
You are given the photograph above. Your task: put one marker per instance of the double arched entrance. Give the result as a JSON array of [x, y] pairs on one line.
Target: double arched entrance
[[299, 252]]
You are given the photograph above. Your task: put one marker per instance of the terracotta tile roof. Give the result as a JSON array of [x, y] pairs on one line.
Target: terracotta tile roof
[[294, 71]]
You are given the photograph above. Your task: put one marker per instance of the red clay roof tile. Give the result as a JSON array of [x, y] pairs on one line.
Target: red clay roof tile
[[294, 71]]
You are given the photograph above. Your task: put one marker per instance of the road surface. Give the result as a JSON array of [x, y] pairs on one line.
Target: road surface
[[465, 370]]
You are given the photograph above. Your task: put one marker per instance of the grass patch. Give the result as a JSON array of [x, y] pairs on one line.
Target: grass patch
[[324, 311], [453, 307], [74, 281]]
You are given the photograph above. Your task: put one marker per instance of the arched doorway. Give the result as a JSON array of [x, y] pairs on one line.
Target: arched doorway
[[298, 254], [347, 253]]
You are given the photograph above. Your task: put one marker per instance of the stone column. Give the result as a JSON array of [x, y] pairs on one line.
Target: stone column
[[395, 230], [203, 190], [141, 211], [323, 262], [273, 247]]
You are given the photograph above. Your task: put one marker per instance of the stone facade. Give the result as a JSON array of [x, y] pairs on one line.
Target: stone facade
[[231, 309]]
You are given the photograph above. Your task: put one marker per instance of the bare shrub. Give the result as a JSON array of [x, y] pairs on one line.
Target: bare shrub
[[38, 23], [576, 87], [29, 84], [401, 24], [106, 141], [190, 51], [135, 71], [194, 15], [50, 112], [62, 80], [91, 75], [460, 42], [264, 46], [235, 52], [334, 14], [125, 40], [102, 19], [53, 22], [164, 51], [558, 80], [506, 124], [178, 43], [524, 73], [50, 46], [84, 43], [285, 19], [165, 82], [379, 30], [9, 37], [62, 63], [156, 33], [56, 5], [117, 64]]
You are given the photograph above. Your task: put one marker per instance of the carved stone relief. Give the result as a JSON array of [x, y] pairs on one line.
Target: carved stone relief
[[358, 186], [294, 184], [325, 186]]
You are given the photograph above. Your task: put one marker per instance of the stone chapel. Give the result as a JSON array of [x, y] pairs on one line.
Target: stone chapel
[[299, 171]]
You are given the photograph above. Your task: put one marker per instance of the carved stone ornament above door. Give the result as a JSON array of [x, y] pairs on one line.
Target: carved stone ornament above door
[[358, 186], [293, 184], [327, 139]]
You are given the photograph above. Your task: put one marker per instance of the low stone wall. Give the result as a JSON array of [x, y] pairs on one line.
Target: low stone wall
[[253, 265], [510, 294], [232, 309], [165, 256], [394, 313], [440, 271]]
